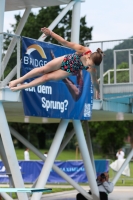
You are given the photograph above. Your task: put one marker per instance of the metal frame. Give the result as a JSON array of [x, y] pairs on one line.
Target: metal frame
[[130, 64], [16, 69], [54, 167], [10, 153], [14, 41], [55, 147], [2, 8]]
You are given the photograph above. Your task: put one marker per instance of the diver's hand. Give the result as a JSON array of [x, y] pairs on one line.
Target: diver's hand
[[46, 31]]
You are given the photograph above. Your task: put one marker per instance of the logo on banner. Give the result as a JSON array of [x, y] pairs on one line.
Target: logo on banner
[[35, 47], [30, 60]]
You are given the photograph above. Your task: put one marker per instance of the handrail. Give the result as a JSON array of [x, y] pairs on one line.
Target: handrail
[[90, 41], [3, 62], [112, 70], [10, 34]]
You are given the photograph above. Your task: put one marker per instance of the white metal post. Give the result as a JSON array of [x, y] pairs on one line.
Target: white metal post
[[51, 157], [14, 40], [75, 29], [55, 168], [10, 153], [101, 76], [89, 144], [2, 9], [114, 67], [130, 67], [5, 161], [9, 76], [58, 18], [6, 196], [86, 159], [3, 156], [18, 58]]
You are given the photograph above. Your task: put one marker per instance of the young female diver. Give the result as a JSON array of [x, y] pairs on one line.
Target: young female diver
[[61, 67]]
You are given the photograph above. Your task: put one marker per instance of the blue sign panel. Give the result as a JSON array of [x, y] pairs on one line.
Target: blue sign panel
[[70, 98], [30, 171]]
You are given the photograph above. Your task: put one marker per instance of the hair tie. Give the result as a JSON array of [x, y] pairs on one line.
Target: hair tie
[[89, 51]]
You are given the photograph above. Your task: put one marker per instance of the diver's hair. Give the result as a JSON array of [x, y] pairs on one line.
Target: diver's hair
[[97, 56]]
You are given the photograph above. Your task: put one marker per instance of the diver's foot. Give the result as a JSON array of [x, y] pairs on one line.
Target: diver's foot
[[13, 83], [14, 89]]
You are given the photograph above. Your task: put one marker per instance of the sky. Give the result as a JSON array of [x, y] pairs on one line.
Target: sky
[[110, 19]]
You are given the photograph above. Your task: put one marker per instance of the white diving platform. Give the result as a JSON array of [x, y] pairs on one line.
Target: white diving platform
[[103, 110], [25, 190]]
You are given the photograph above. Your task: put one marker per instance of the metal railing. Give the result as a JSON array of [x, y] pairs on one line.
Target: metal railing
[[108, 74], [113, 50], [5, 55]]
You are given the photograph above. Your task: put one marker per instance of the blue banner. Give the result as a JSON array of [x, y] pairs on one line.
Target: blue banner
[[75, 169], [70, 98]]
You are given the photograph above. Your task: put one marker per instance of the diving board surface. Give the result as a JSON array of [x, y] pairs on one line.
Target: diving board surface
[[27, 190]]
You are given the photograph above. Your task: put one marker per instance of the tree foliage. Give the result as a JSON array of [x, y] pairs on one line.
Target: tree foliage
[[120, 56], [122, 76], [45, 17], [109, 135]]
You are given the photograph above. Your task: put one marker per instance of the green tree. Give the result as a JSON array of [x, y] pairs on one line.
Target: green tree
[[121, 56], [122, 76], [109, 135], [45, 17]]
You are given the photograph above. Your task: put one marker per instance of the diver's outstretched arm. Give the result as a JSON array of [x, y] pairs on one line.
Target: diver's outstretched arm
[[77, 47]]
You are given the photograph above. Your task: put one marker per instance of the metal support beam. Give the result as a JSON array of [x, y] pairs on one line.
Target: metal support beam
[[117, 176], [10, 153], [5, 161], [3, 156], [6, 196], [2, 9], [89, 144], [75, 29], [14, 40], [101, 76], [9, 77], [86, 159], [58, 18], [55, 168], [51, 157]]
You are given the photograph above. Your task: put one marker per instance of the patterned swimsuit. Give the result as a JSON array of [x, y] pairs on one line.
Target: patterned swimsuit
[[72, 63]]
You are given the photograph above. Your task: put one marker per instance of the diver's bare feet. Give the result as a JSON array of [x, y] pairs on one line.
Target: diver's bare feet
[[14, 89], [13, 83]]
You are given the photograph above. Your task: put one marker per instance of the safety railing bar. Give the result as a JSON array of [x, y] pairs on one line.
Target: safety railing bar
[[18, 58], [119, 50], [112, 70], [9, 34], [117, 40]]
